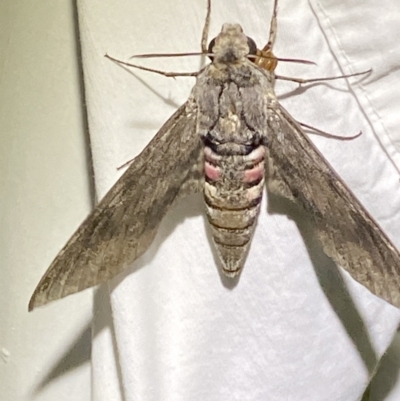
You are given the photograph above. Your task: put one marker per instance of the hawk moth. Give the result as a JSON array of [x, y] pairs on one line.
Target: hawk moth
[[227, 140]]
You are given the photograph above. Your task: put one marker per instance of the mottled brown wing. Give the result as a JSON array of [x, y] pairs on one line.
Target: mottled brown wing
[[348, 234], [124, 223]]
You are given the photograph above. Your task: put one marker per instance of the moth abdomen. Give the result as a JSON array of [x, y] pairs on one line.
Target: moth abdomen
[[233, 192], [231, 237]]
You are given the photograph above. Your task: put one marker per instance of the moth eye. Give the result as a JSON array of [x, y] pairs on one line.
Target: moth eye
[[252, 46], [210, 48]]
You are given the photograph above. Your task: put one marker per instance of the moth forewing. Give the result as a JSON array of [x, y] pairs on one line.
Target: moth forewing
[[349, 235], [124, 223]]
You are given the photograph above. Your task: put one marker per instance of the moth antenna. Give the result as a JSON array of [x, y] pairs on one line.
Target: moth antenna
[[164, 73], [155, 55], [206, 28]]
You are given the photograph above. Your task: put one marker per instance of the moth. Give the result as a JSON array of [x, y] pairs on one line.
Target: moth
[[227, 141]]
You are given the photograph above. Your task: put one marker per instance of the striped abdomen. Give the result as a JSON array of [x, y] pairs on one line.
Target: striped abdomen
[[233, 191]]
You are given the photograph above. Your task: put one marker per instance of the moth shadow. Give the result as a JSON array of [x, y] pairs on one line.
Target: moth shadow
[[79, 352], [331, 280], [75, 355], [387, 375], [190, 206]]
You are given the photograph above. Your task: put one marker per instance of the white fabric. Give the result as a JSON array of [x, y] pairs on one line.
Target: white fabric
[[176, 329]]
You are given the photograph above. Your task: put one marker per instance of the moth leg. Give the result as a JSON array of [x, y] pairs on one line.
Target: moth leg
[[204, 36], [318, 131], [164, 73], [325, 134], [127, 163], [301, 81], [273, 28], [265, 58]]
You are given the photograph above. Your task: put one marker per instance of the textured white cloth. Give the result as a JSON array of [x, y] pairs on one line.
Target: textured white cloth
[[176, 329]]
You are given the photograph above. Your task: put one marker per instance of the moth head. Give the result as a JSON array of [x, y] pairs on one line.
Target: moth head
[[231, 45]]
